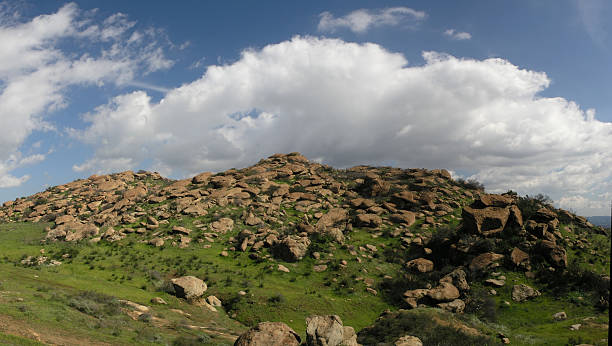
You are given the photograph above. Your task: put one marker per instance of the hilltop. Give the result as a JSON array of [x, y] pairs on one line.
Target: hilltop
[[390, 252]]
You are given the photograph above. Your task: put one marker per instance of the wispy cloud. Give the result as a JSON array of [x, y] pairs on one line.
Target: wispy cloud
[[144, 85], [360, 21], [457, 35], [592, 14]]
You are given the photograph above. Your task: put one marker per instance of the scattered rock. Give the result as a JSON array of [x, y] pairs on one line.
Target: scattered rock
[[213, 301], [158, 300], [282, 268], [560, 316]]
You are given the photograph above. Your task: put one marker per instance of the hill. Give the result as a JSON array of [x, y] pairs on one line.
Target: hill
[[603, 221], [135, 258]]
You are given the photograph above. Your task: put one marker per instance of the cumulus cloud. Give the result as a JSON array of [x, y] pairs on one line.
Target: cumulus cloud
[[36, 68], [347, 103], [458, 35], [359, 21]]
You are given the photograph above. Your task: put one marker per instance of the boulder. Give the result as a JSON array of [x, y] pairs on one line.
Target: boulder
[[213, 301], [373, 185], [544, 215], [368, 220], [458, 278], [492, 200], [560, 316], [222, 225], [332, 217], [292, 248], [456, 306], [269, 334], [445, 292], [487, 221], [404, 199], [201, 178], [522, 292], [485, 261], [519, 258], [411, 297], [189, 287], [554, 254], [407, 218], [421, 265], [328, 330]]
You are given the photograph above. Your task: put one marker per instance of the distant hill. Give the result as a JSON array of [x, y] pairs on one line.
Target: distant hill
[[603, 221]]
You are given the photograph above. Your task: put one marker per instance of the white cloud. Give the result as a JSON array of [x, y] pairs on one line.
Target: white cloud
[[36, 68], [360, 21], [458, 35], [348, 104]]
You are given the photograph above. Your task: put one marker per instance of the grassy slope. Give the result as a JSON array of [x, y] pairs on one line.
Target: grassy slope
[[124, 270]]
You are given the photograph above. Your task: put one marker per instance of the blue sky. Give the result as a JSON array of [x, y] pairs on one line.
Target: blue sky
[[515, 94]]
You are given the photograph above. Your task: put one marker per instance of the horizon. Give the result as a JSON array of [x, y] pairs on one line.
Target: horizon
[[94, 87]]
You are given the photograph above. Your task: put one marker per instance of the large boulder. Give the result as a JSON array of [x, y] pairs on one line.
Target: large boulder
[[269, 334], [189, 287], [332, 217], [328, 330], [292, 248], [487, 221]]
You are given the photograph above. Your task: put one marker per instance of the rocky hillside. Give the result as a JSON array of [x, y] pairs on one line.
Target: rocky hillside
[[408, 239]]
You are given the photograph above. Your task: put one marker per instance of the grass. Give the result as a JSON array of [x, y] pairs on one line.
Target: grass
[[12, 340], [80, 297]]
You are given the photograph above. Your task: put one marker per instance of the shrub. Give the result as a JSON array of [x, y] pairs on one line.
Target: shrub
[[185, 341], [529, 205], [277, 299], [480, 303], [95, 304], [471, 184], [424, 325]]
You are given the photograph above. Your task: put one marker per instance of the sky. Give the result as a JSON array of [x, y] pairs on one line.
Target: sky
[[515, 94]]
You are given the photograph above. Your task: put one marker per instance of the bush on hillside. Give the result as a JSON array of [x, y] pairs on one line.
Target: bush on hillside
[[470, 184]]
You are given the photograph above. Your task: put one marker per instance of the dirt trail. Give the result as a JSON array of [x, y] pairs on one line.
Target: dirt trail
[[12, 326]]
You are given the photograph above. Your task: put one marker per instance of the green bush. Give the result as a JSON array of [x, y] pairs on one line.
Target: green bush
[[95, 304]]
